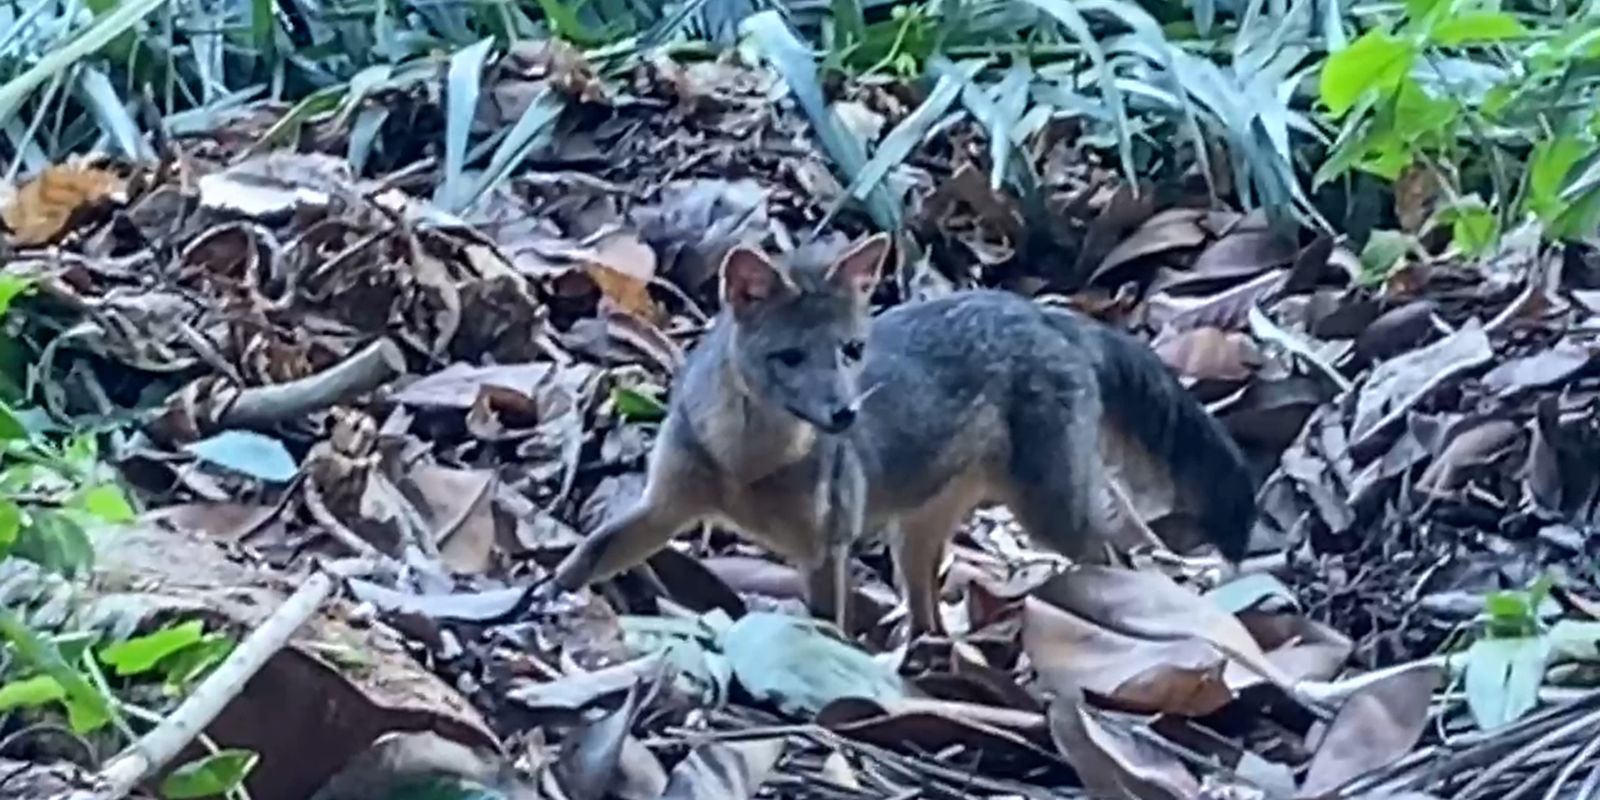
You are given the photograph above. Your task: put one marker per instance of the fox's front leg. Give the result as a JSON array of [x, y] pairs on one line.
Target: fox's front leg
[[829, 585], [621, 543], [672, 501], [843, 516]]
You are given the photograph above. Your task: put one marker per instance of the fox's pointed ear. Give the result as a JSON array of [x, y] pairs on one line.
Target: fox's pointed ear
[[749, 278], [857, 271]]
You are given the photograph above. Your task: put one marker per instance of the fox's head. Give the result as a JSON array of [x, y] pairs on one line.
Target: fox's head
[[799, 330]]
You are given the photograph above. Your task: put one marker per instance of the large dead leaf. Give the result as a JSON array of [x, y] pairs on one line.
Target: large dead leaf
[[1395, 386], [1149, 604], [1181, 675], [735, 770], [1373, 729], [1114, 763]]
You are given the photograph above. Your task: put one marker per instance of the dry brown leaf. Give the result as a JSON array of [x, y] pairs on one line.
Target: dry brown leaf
[[1414, 194], [43, 207], [1173, 229], [1114, 763], [1148, 604], [1373, 729], [733, 770], [1070, 653], [385, 689], [622, 266], [1303, 649], [459, 504], [934, 725], [1209, 354]]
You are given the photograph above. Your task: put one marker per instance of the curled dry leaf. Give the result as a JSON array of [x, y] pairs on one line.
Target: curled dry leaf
[[1373, 729], [1072, 654], [996, 739], [43, 208], [277, 185], [1150, 604], [735, 770], [623, 266], [1395, 386], [1114, 762], [591, 757], [1209, 354]]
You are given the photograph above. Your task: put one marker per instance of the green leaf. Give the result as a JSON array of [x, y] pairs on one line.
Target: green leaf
[[1383, 251], [106, 502], [12, 287], [849, 23], [1417, 114], [1473, 227], [11, 428], [1503, 677], [531, 131], [140, 654], [637, 406], [105, 28], [1376, 61], [1508, 606], [907, 135], [192, 663], [56, 542], [215, 774], [793, 61], [1073, 20], [1552, 160], [798, 665], [1477, 27], [31, 692], [248, 453], [87, 709], [10, 524]]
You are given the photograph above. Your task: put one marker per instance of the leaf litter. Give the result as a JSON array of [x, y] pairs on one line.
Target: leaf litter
[[456, 376]]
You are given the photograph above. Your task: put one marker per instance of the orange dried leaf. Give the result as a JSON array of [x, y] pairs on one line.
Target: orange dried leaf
[[622, 266], [42, 208]]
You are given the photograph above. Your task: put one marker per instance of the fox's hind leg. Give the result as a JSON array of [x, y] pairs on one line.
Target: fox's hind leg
[[1055, 469], [918, 539]]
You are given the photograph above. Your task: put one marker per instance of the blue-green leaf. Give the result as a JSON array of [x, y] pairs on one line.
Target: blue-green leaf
[[247, 452]]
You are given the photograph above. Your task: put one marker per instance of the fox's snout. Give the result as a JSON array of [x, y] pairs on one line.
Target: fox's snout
[[842, 417], [830, 417]]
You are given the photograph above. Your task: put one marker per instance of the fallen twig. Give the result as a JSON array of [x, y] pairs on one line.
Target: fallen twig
[[367, 369], [161, 744]]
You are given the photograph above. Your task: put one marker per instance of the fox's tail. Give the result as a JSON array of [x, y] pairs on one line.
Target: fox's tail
[[1146, 401]]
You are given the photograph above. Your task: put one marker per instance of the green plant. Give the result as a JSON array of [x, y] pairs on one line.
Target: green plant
[[1505, 665], [1497, 108], [54, 493]]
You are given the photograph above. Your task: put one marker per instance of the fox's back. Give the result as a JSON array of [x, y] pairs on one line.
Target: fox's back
[[949, 377]]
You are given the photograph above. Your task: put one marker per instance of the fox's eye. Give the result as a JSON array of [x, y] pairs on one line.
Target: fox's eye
[[853, 348], [791, 357]]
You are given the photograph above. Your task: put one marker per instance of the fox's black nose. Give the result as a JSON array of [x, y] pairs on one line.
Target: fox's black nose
[[842, 417]]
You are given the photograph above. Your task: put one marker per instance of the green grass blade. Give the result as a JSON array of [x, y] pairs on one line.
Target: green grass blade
[[113, 116], [531, 131], [88, 41], [795, 63], [1067, 14], [461, 103], [905, 136]]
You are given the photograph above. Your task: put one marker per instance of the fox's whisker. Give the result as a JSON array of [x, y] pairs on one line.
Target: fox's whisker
[[861, 399]]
